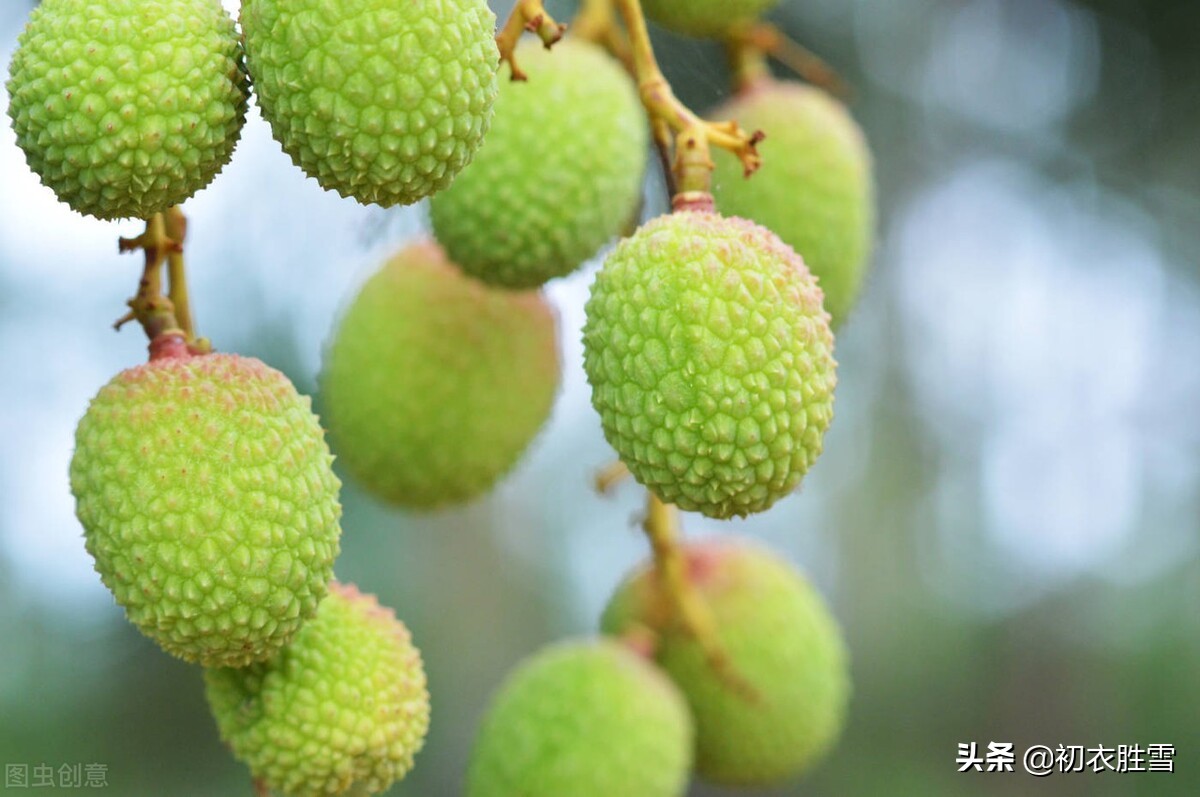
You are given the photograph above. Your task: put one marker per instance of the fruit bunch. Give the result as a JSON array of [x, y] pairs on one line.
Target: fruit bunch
[[204, 482]]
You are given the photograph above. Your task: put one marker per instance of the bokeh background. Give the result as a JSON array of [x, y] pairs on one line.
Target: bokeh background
[[1006, 516]]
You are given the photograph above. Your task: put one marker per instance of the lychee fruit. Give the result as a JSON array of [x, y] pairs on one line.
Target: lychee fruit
[[127, 107], [815, 191], [434, 383], [707, 18], [550, 186], [340, 711], [208, 501], [381, 101], [587, 719], [711, 362], [781, 642]]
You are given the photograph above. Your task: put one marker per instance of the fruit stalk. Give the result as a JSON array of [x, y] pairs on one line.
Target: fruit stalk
[[694, 136], [155, 312], [527, 15], [596, 22], [749, 45], [694, 615], [175, 227]]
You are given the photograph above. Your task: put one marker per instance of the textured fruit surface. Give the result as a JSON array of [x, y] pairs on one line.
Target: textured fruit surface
[[434, 383], [815, 191], [705, 17], [711, 362], [586, 719], [342, 710], [126, 107], [378, 100], [208, 501], [549, 187], [781, 640]]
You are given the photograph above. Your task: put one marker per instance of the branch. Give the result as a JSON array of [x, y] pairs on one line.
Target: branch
[[746, 46], [527, 15], [693, 136]]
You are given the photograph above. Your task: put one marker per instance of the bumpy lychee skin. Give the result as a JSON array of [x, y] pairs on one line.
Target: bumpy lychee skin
[[549, 187], [584, 718], [209, 503], [705, 17], [817, 193], [126, 107], [340, 711], [434, 383], [781, 641], [711, 362], [381, 101]]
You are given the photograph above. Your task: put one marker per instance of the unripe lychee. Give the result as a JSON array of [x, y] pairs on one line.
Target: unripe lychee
[[126, 107], [434, 383], [815, 189], [585, 719], [208, 501], [781, 642], [705, 17], [711, 362], [378, 100], [340, 711], [560, 173]]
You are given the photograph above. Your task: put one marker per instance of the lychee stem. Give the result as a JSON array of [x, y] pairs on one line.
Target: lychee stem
[[596, 22], [693, 136], [610, 476], [693, 613], [748, 45], [527, 15], [175, 224]]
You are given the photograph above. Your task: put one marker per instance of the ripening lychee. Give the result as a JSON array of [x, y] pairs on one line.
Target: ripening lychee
[[340, 711], [434, 383], [711, 362], [782, 643], [559, 175], [127, 107], [587, 719], [209, 503], [378, 100], [705, 17], [816, 193]]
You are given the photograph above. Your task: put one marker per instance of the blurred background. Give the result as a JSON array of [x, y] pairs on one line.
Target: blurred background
[[1006, 516]]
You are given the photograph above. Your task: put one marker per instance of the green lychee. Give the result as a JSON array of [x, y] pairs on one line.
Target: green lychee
[[209, 503], [586, 719], [549, 187], [711, 362], [378, 100], [815, 190], [705, 17], [434, 383], [340, 711], [127, 107], [782, 643]]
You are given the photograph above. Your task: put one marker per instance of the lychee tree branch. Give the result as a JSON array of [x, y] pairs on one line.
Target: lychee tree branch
[[527, 15], [748, 45], [692, 165]]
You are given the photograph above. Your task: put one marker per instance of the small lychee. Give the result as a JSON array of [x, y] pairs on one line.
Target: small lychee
[[550, 186], [711, 362], [434, 383], [127, 107], [586, 718], [341, 711], [209, 503], [781, 641], [378, 100], [816, 194]]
